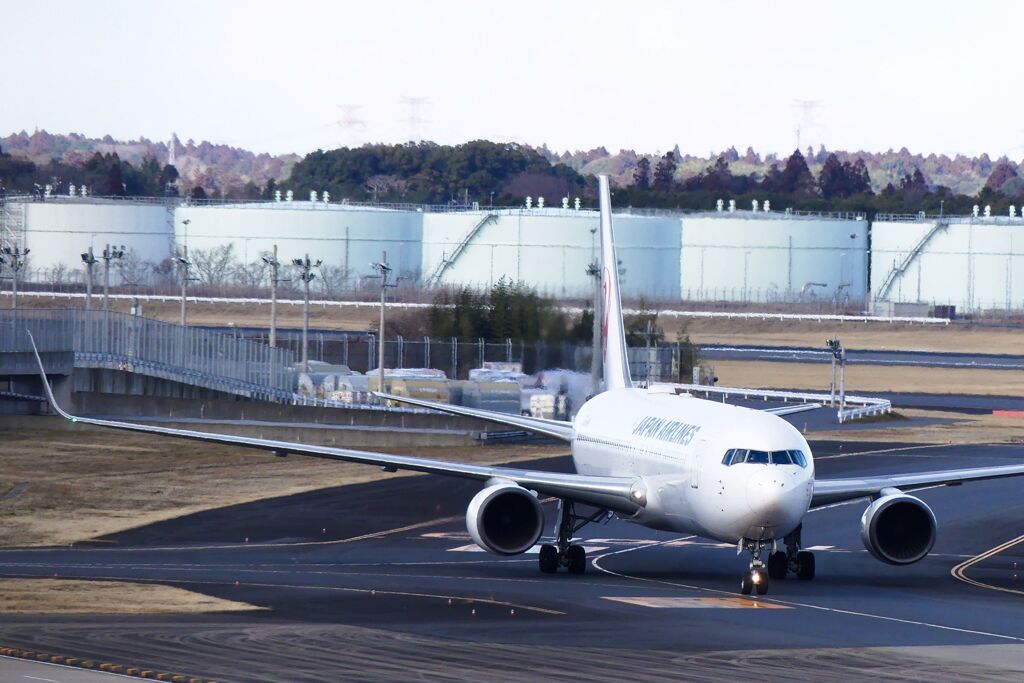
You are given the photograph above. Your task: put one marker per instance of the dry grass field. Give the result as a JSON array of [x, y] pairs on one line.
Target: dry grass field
[[60, 596], [771, 332], [58, 487], [862, 377]]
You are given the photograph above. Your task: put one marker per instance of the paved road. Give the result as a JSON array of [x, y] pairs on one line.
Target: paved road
[[791, 354], [379, 582]]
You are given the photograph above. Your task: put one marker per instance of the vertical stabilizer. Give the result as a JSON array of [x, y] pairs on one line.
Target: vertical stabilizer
[[613, 335]]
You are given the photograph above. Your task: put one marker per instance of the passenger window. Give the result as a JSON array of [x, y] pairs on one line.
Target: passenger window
[[781, 458], [757, 457]]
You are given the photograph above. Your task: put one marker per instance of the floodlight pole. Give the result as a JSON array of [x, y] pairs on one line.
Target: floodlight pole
[[385, 272], [108, 254], [275, 265], [15, 258], [594, 271], [184, 266], [89, 259], [307, 276]]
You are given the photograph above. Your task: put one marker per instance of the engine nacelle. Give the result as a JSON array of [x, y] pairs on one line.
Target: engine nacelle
[[898, 529], [505, 519]]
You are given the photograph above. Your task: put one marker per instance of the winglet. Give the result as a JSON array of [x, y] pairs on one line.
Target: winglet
[[613, 334], [46, 382]]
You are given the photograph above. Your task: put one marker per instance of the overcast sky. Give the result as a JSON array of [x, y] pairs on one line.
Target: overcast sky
[[933, 76]]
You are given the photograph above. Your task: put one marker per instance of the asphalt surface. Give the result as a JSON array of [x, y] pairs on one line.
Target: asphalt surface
[[935, 359], [379, 581]]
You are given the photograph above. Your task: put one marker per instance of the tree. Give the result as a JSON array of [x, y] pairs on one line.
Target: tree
[[213, 266], [112, 184], [795, 177], [198, 192], [832, 180], [1002, 172], [642, 174], [664, 172]]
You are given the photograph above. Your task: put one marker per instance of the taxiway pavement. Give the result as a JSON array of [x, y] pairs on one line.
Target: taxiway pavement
[[380, 581]]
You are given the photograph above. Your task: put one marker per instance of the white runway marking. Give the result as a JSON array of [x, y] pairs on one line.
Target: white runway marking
[[789, 603], [474, 548]]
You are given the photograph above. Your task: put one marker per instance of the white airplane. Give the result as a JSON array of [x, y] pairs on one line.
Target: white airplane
[[660, 459]]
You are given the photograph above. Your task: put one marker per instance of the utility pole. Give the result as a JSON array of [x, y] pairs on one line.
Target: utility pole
[[384, 273], [275, 269], [594, 271], [15, 259], [108, 254], [89, 260], [838, 356], [183, 265], [306, 275]]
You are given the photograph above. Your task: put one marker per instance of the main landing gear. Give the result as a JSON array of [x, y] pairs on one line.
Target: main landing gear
[[780, 563], [564, 553]]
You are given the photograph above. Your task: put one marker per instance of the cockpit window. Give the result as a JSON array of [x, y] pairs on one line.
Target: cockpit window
[[734, 456], [757, 457]]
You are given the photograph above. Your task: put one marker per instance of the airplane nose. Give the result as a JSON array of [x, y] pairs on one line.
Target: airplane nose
[[768, 494]]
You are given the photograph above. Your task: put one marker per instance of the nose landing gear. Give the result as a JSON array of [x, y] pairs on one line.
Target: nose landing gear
[[754, 579]]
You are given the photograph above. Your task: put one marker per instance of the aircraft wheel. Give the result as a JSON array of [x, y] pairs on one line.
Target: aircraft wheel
[[576, 557], [747, 583], [778, 565], [548, 559], [761, 586], [805, 565]]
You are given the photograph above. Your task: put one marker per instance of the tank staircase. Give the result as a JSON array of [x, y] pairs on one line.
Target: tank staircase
[[900, 268], [12, 223], [449, 260]]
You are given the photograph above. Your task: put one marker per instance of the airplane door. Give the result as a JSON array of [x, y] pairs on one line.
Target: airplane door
[[696, 462]]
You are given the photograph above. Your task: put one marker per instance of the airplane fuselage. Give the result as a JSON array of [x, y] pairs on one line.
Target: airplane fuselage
[[681, 447]]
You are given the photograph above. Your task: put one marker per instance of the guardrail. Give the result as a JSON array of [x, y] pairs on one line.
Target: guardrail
[[864, 406]]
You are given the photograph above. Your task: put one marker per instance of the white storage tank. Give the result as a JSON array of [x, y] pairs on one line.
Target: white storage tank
[[973, 263], [59, 230], [550, 250], [344, 237], [765, 257]]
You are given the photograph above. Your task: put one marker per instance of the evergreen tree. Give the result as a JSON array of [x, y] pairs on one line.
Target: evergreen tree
[[664, 172], [642, 174]]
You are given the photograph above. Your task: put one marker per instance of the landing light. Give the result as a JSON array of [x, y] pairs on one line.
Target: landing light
[[756, 578]]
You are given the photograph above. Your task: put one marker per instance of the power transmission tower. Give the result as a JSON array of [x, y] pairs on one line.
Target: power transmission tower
[[415, 120], [351, 124], [806, 109]]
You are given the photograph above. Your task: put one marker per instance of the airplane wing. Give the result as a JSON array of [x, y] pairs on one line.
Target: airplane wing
[[831, 491], [792, 410], [620, 494], [553, 428]]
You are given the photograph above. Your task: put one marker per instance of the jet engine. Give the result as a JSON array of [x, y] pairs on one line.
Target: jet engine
[[505, 519], [897, 528]]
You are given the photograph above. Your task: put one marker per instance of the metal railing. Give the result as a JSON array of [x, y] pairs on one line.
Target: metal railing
[[98, 337]]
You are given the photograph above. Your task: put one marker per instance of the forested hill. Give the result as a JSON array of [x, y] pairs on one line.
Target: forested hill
[[478, 171], [506, 173], [962, 174], [220, 169]]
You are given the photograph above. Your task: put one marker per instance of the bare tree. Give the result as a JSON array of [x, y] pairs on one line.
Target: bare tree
[[384, 184], [213, 266], [252, 274], [60, 274], [132, 269], [333, 279]]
